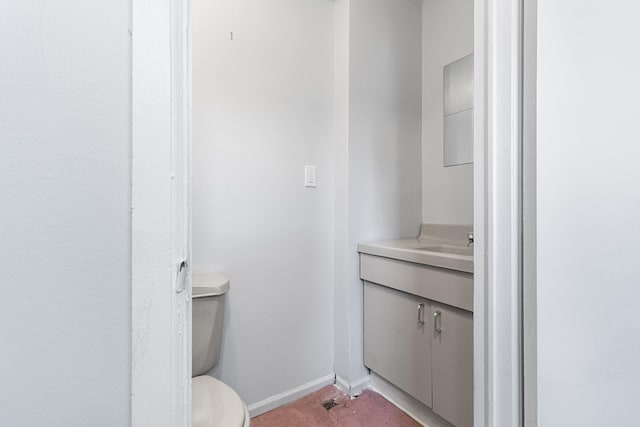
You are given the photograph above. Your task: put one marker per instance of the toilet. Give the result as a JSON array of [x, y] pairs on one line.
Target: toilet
[[215, 404]]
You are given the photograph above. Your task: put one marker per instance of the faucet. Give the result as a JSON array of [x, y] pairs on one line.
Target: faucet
[[470, 239]]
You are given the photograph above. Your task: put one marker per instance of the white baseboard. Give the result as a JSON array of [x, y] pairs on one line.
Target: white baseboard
[[412, 407], [289, 396], [342, 384], [354, 388]]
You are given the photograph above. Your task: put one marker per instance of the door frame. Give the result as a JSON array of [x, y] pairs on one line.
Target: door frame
[[498, 213], [161, 214], [529, 215]]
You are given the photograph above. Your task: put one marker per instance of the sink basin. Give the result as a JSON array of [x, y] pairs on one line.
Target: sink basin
[[443, 246], [452, 250]]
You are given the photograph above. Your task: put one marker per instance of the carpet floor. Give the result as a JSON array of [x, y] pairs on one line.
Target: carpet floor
[[330, 407]]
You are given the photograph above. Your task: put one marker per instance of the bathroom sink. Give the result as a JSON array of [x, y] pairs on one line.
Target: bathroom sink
[[451, 250], [444, 246]]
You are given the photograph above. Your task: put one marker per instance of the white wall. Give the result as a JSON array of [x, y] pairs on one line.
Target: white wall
[[588, 210], [263, 108], [336, 84], [447, 35], [343, 326], [65, 217], [381, 138]]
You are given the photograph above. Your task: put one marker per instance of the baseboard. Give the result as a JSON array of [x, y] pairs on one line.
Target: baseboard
[[342, 384], [352, 388], [289, 396], [412, 407]]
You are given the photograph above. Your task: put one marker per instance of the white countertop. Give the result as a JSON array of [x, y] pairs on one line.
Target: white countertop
[[431, 236]]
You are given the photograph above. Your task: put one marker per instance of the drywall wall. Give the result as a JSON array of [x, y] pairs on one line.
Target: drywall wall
[[342, 274], [379, 133], [447, 35], [65, 217], [588, 209], [262, 110]]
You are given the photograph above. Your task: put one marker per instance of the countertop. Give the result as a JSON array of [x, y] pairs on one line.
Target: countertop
[[431, 236]]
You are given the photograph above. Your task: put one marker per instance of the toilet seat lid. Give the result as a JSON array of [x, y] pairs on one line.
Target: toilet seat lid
[[209, 285], [215, 404]]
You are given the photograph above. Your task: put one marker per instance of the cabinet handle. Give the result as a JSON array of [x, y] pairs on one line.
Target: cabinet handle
[[421, 314], [437, 322]]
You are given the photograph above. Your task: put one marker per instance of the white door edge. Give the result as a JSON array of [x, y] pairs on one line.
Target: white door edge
[[161, 222]]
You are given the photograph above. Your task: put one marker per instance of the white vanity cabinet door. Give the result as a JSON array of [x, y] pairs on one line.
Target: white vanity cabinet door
[[452, 353], [397, 339]]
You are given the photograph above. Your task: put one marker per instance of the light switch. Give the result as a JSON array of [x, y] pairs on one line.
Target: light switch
[[310, 176]]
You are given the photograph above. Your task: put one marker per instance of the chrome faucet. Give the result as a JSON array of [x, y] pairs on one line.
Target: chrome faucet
[[470, 239]]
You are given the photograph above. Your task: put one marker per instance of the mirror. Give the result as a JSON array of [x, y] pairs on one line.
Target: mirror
[[458, 112]]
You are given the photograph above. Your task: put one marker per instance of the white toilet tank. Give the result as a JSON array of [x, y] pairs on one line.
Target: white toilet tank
[[208, 317]]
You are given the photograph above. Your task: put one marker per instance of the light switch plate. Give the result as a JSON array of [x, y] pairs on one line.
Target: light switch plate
[[310, 176]]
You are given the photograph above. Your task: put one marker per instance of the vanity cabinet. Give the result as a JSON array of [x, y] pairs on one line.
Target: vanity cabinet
[[397, 339], [418, 317], [423, 347], [418, 332], [452, 364]]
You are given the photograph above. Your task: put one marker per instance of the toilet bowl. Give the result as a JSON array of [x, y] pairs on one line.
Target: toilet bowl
[[214, 404], [217, 404]]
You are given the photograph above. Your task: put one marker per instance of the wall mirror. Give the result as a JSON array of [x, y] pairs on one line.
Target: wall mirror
[[458, 112]]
